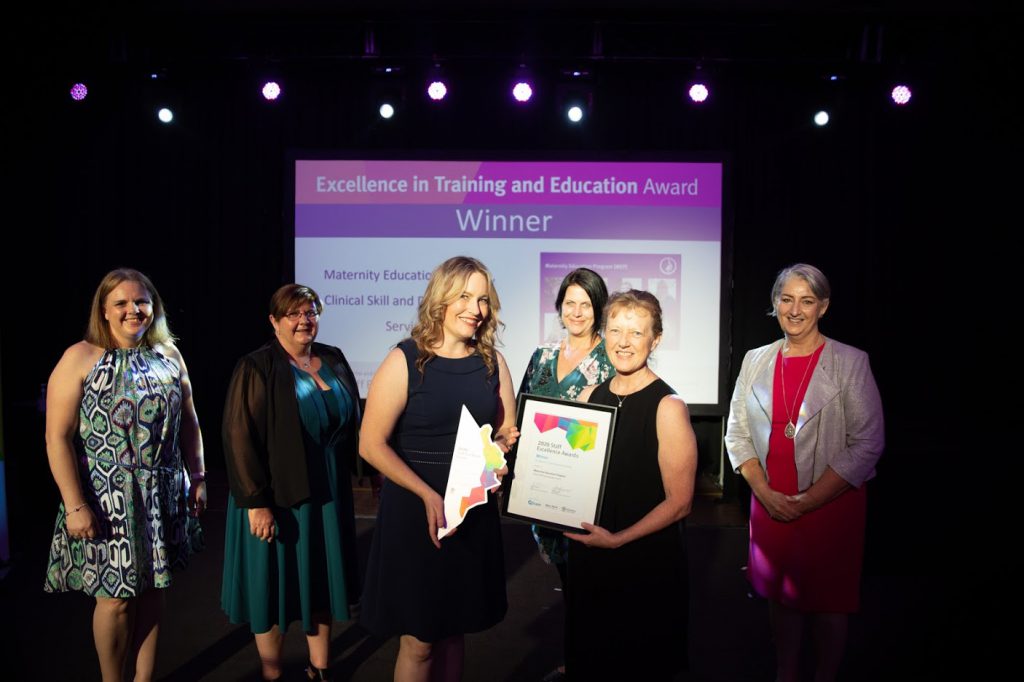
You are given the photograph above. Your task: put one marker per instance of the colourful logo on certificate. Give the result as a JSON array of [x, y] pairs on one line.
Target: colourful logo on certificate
[[580, 435]]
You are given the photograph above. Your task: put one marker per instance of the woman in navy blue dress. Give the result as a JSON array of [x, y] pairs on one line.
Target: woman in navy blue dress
[[428, 591]]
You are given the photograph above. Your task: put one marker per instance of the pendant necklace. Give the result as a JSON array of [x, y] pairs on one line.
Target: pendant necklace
[[621, 398], [790, 430]]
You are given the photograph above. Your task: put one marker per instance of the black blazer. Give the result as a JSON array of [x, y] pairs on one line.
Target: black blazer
[[262, 433]]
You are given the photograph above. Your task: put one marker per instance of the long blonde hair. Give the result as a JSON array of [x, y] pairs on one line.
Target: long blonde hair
[[97, 332], [446, 284]]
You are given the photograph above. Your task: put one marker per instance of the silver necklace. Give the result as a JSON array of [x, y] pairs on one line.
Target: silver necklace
[[622, 398], [790, 430]]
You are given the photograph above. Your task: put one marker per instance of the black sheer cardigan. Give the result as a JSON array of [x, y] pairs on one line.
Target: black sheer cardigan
[[262, 429]]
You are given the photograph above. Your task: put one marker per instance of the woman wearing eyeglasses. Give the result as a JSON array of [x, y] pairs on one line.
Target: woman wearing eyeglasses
[[290, 435]]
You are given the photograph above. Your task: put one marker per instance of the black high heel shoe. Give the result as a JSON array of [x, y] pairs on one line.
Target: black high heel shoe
[[318, 674]]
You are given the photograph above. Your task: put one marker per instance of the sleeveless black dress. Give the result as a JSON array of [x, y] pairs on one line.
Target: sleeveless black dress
[[413, 588], [627, 608]]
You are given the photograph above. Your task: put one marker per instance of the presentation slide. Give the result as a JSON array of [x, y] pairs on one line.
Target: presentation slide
[[369, 233]]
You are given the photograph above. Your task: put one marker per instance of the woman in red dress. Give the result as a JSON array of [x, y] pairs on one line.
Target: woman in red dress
[[805, 431]]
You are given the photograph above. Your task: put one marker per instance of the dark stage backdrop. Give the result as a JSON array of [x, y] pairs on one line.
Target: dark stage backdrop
[[897, 207]]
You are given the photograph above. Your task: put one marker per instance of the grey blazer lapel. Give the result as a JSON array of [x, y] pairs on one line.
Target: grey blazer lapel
[[764, 378], [822, 388]]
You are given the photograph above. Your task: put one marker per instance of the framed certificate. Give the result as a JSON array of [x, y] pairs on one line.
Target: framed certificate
[[557, 468]]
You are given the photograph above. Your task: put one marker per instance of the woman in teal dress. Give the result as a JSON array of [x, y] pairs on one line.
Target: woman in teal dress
[[290, 425], [120, 429], [564, 369]]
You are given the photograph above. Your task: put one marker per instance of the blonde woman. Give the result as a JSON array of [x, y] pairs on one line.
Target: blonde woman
[[430, 591], [122, 437], [628, 597]]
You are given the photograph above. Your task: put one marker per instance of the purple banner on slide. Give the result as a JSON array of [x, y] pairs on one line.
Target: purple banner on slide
[[519, 222], [508, 182]]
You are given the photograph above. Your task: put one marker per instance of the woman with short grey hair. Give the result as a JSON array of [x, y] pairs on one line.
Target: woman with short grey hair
[[805, 431]]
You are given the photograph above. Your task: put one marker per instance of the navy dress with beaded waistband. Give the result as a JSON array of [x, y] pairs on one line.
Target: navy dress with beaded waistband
[[412, 587]]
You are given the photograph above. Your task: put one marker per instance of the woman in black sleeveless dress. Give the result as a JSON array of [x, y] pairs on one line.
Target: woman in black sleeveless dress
[[431, 591], [628, 601]]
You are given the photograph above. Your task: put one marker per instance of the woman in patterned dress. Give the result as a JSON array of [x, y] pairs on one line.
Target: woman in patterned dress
[[120, 428], [562, 370]]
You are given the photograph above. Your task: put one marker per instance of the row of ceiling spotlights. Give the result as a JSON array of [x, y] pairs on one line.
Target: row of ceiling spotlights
[[522, 92], [574, 114]]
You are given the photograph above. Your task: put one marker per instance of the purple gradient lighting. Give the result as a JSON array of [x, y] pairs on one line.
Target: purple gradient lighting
[[271, 91], [698, 92], [437, 90], [901, 95], [522, 91], [79, 92]]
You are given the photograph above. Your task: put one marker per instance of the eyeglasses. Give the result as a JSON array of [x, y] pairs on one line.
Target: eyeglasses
[[310, 315]]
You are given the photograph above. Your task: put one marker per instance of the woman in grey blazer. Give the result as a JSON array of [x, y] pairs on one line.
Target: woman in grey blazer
[[805, 430]]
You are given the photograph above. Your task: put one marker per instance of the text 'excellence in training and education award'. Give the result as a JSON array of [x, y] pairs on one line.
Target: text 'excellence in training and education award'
[[559, 464]]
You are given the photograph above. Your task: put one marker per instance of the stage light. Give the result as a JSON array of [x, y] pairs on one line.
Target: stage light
[[698, 92], [901, 95], [437, 90], [165, 115], [79, 92], [388, 90], [574, 94], [699, 83], [522, 92], [271, 91], [821, 118]]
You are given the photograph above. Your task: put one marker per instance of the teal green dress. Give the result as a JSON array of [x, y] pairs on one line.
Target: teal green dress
[[541, 378], [302, 572]]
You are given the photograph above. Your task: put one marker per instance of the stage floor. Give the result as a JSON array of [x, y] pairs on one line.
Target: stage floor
[[898, 634]]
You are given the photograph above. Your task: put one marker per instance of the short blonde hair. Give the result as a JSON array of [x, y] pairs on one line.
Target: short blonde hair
[[98, 330], [632, 300], [446, 284]]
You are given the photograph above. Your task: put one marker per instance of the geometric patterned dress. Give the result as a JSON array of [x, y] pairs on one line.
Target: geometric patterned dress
[[133, 478]]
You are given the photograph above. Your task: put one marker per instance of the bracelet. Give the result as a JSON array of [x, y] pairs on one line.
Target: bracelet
[[78, 508], [198, 476]]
